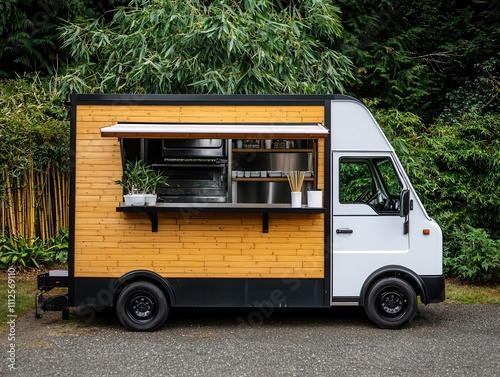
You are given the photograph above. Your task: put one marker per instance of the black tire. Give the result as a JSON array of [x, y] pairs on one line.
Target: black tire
[[391, 303], [142, 306]]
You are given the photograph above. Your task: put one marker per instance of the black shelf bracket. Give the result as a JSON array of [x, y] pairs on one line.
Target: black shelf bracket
[[265, 222], [153, 216]]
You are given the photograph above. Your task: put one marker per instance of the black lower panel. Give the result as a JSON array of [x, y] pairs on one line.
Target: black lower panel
[[248, 292], [92, 292], [212, 292]]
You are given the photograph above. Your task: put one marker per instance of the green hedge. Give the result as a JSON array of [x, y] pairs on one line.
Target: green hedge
[[34, 158], [454, 165]]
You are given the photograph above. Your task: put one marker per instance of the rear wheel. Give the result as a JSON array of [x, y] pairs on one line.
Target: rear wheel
[[142, 306], [391, 303]]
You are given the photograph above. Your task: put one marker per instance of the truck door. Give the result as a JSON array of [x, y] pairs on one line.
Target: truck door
[[368, 231]]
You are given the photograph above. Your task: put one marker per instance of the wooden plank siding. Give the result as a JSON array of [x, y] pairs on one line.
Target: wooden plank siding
[[110, 244]]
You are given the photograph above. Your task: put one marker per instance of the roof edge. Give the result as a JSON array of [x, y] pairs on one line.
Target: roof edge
[[204, 99]]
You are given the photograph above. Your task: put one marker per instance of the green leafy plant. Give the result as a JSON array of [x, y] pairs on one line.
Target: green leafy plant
[[133, 176], [152, 180], [25, 252], [139, 177], [193, 46], [454, 166], [58, 247], [472, 255]]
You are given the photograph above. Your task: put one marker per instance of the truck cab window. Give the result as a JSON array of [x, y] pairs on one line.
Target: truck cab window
[[356, 183], [389, 177], [371, 181]]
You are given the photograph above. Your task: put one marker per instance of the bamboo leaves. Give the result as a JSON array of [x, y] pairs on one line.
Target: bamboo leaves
[[215, 47], [34, 160]]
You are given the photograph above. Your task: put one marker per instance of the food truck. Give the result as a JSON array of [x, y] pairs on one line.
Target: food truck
[[270, 201]]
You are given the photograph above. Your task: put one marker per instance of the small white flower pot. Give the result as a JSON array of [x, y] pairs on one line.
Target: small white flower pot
[[151, 199], [134, 199]]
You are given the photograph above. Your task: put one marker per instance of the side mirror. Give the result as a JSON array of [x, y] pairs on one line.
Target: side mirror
[[404, 203]]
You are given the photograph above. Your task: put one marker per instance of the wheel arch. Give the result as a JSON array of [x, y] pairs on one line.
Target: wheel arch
[[395, 271], [148, 276]]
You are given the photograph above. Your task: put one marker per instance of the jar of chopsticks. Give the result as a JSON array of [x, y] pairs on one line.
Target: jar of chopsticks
[[296, 180]]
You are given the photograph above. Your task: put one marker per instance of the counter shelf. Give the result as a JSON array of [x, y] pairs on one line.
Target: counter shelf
[[266, 179], [264, 208], [273, 150]]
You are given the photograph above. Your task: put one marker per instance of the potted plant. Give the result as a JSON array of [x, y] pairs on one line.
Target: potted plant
[[131, 183], [139, 183], [151, 180]]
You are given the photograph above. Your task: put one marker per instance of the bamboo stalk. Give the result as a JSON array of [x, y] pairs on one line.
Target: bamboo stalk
[[23, 208], [32, 203], [8, 193], [23, 191], [10, 201], [19, 206], [48, 201], [60, 195], [45, 212], [57, 199], [66, 200], [39, 207]]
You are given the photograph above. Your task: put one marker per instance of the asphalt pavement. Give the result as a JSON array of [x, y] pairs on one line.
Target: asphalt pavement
[[443, 340]]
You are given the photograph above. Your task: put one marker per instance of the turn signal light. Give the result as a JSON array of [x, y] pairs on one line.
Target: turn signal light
[[426, 232]]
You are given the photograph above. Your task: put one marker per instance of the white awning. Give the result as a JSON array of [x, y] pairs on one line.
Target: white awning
[[216, 131]]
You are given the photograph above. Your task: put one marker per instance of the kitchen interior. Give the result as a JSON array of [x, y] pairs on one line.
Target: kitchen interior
[[226, 170]]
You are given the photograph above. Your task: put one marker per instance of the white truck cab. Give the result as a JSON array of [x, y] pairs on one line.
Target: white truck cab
[[380, 229]]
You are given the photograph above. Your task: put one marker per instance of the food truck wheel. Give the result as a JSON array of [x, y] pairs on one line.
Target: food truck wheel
[[142, 306], [391, 303]]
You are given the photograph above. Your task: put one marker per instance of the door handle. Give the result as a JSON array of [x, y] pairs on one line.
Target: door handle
[[344, 231]]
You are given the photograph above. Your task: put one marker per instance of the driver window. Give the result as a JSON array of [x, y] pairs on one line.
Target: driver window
[[372, 181], [356, 182], [389, 177]]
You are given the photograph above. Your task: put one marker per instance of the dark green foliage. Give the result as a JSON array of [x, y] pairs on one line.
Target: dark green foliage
[[34, 127], [28, 35], [455, 167], [381, 41], [193, 46], [29, 32], [477, 94], [466, 155], [472, 254], [33, 253], [412, 54]]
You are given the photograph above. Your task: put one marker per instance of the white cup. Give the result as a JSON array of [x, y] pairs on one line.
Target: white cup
[[296, 199]]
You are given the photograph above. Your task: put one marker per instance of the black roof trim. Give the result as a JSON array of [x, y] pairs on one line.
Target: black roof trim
[[204, 99]]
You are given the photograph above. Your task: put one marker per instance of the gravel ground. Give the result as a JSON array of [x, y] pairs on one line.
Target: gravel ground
[[444, 340]]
